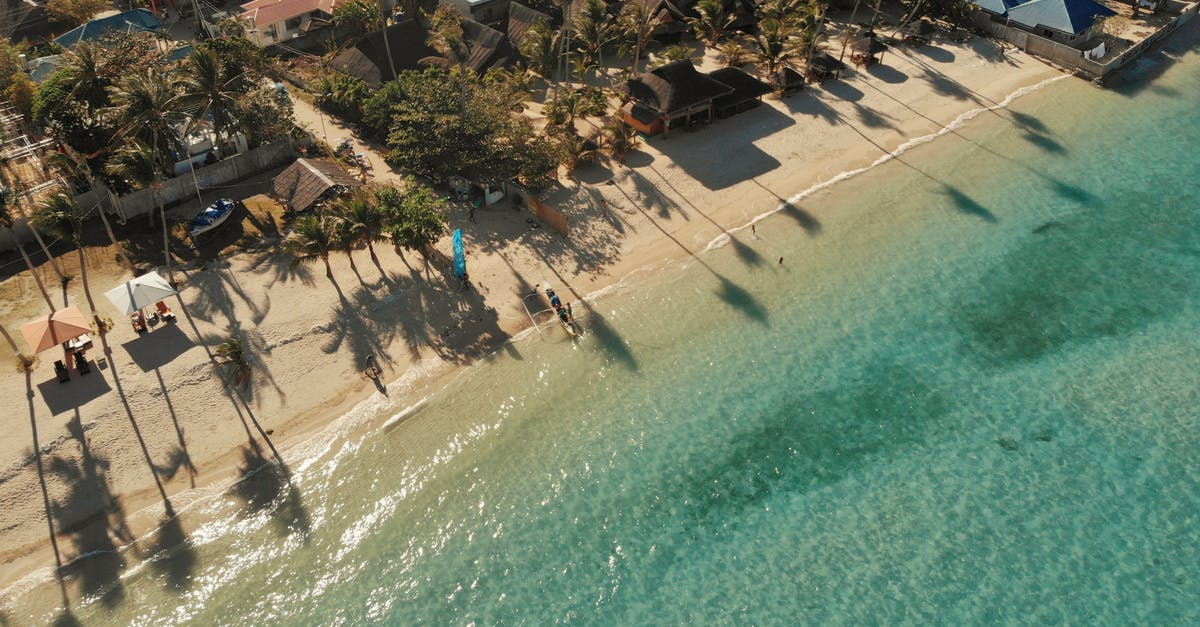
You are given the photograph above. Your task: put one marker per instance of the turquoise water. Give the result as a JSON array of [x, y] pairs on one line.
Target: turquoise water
[[968, 395]]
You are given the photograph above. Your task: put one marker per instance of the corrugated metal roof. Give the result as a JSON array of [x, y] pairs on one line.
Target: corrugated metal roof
[[1068, 16], [137, 20]]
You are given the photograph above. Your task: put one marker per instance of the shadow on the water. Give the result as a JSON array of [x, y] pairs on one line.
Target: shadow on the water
[[820, 436], [1045, 142], [172, 554], [806, 220], [265, 486], [1105, 276], [967, 205]]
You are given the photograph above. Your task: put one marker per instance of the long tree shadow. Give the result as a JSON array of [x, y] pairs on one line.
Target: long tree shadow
[[266, 486], [806, 220], [92, 517], [179, 458], [65, 617]]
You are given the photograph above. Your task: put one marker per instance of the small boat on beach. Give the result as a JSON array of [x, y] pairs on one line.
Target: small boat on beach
[[215, 215], [562, 311]]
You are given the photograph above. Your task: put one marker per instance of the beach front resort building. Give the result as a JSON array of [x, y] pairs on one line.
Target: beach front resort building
[[1070, 22], [677, 94]]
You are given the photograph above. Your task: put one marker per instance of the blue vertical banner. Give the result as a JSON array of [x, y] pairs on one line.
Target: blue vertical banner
[[460, 259]]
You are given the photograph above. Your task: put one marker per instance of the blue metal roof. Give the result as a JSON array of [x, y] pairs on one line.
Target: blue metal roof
[[1068, 16], [129, 21]]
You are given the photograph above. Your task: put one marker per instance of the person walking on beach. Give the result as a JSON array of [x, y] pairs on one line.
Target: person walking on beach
[[781, 261]]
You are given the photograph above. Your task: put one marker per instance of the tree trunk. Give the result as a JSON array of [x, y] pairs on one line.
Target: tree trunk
[[350, 256], [162, 214], [11, 343], [87, 290], [328, 270], [845, 40], [33, 271], [53, 261], [371, 249]]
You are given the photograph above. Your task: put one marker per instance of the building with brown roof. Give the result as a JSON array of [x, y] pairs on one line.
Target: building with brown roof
[[309, 181], [277, 21], [676, 94]]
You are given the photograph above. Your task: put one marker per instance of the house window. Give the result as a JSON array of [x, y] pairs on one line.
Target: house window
[[293, 23]]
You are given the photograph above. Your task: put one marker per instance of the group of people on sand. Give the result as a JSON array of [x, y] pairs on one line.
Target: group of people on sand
[[563, 311]]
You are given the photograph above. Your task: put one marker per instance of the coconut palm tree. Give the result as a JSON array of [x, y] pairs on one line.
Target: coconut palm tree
[[711, 23], [61, 216], [362, 220], [593, 31], [414, 218], [618, 138], [231, 357], [13, 188], [8, 221], [312, 237], [73, 167], [24, 362], [733, 53], [446, 37], [148, 109], [208, 90], [774, 45], [636, 27], [540, 47], [86, 65]]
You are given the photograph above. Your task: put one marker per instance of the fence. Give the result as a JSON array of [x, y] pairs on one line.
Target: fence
[[175, 189], [1065, 55], [551, 216]]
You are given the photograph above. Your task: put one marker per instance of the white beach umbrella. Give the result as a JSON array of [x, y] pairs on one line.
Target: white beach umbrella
[[140, 292]]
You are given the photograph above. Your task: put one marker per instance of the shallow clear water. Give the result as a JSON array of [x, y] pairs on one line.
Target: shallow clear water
[[968, 395]]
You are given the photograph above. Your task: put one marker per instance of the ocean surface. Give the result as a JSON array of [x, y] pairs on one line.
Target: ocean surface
[[968, 395]]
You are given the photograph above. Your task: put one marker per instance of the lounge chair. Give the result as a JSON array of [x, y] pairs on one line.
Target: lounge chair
[[61, 371], [164, 311], [81, 363], [138, 322]]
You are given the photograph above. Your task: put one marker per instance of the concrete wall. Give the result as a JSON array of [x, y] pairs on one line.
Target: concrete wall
[[173, 190], [1073, 58]]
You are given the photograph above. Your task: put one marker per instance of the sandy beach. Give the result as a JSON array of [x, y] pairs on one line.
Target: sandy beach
[[309, 337]]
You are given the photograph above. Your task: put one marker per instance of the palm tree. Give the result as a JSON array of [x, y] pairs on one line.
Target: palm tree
[[86, 65], [636, 26], [61, 216], [231, 357], [711, 22], [733, 53], [774, 45], [147, 109], [618, 138], [209, 91], [540, 47], [362, 220], [312, 237], [24, 362], [73, 167], [13, 189], [593, 31], [8, 221]]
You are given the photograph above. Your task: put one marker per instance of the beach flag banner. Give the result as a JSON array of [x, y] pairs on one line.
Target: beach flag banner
[[460, 259]]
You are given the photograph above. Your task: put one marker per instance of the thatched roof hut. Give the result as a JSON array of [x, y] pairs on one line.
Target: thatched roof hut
[[675, 90], [368, 59], [747, 91], [788, 81], [822, 67], [864, 47], [522, 18], [308, 181]]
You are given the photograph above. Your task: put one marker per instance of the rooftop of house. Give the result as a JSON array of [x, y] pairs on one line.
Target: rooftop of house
[[1068, 16], [265, 12], [137, 20], [674, 87]]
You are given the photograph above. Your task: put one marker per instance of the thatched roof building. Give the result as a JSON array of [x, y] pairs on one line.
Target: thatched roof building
[[308, 181], [788, 81], [368, 59], [822, 67], [522, 18], [747, 91]]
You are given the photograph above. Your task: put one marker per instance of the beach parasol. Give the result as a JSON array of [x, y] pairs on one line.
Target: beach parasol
[[56, 328], [140, 292]]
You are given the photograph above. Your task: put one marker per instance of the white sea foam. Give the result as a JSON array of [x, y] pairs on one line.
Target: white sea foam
[[956, 124]]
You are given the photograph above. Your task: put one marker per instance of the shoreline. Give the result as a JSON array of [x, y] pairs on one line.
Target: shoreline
[[644, 252]]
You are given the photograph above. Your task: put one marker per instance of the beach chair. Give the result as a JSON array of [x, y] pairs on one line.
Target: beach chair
[[81, 363], [164, 311], [61, 371], [138, 322]]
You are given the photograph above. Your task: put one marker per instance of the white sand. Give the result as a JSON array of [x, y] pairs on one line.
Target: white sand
[[309, 341]]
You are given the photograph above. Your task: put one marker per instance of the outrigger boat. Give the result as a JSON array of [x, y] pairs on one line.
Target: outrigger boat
[[215, 215], [562, 311]]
